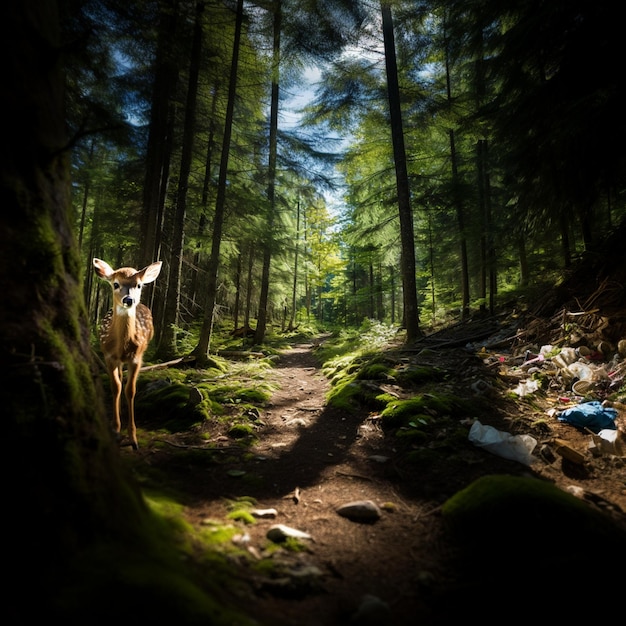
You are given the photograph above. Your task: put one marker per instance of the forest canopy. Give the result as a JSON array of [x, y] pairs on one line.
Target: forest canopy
[[448, 156]]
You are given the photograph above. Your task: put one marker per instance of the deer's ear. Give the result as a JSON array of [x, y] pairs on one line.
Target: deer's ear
[[151, 272], [102, 268]]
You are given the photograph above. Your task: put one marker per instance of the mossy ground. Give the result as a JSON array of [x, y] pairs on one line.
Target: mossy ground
[[308, 445]]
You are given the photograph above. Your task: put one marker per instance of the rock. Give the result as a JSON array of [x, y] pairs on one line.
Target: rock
[[195, 397], [264, 513], [280, 533], [378, 458], [372, 611], [360, 511]]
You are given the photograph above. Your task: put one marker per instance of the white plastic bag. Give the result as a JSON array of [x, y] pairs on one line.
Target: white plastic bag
[[513, 447], [525, 388]]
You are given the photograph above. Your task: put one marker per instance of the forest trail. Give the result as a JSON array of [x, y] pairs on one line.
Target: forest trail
[[310, 459]]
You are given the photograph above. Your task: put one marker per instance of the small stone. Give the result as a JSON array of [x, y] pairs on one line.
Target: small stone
[[280, 533], [378, 458], [575, 490], [372, 610], [360, 511], [195, 397], [264, 513]]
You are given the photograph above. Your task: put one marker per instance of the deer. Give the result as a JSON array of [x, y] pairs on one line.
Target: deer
[[125, 332]]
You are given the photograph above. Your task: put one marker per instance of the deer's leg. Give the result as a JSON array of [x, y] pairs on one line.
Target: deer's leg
[[130, 390], [115, 379]]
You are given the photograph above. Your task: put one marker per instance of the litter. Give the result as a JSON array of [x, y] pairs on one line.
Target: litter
[[606, 442], [512, 447], [526, 388], [591, 415]]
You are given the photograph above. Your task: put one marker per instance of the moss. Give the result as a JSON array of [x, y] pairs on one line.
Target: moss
[[344, 394], [217, 534], [419, 375], [423, 457], [74, 374], [241, 431], [414, 435], [169, 407], [338, 366], [266, 567], [523, 509], [352, 395], [402, 412], [240, 515], [376, 371], [235, 394], [292, 544], [384, 399], [155, 578]]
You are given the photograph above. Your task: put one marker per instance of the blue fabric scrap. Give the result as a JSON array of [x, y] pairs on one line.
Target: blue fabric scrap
[[591, 415]]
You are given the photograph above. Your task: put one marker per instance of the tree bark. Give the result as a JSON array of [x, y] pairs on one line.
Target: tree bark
[[157, 155], [167, 346], [407, 236], [294, 287], [261, 325], [201, 351], [84, 532]]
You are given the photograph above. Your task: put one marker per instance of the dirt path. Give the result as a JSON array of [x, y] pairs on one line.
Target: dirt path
[[308, 461], [331, 459]]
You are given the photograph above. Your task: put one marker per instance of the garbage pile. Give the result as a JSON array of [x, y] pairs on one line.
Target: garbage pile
[[588, 384], [582, 370]]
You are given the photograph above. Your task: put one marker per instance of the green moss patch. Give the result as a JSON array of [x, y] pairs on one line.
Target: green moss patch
[[529, 526], [171, 407], [420, 410], [417, 375]]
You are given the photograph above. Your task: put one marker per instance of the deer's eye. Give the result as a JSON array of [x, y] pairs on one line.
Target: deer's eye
[[116, 285]]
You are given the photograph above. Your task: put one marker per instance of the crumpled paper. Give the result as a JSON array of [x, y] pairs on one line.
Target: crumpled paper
[[513, 447]]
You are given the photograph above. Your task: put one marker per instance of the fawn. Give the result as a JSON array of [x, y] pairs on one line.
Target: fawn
[[125, 333]]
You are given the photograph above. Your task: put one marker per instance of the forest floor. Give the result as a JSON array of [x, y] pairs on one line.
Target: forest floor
[[401, 568]]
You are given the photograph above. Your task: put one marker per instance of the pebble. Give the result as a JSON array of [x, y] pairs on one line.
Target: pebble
[[372, 611], [264, 513], [360, 511], [280, 532]]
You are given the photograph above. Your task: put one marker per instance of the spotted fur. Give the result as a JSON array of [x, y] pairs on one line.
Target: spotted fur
[[125, 332]]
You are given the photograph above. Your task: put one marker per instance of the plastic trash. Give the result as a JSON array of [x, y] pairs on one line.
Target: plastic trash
[[580, 370], [512, 447], [526, 387], [564, 358], [607, 442], [591, 415], [534, 361]]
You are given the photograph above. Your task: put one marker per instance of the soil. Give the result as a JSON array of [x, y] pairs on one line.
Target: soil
[[402, 568]]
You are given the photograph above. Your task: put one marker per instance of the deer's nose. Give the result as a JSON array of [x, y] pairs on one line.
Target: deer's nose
[[127, 302]]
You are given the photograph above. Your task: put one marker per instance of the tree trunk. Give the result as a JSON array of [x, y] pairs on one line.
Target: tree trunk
[[157, 156], [206, 184], [488, 252], [261, 325], [237, 285], [251, 249], [458, 205], [66, 475], [411, 310], [294, 288], [167, 346], [201, 351]]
